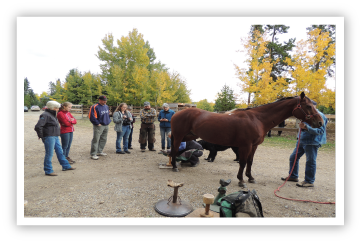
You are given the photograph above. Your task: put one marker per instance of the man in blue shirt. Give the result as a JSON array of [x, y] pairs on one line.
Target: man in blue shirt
[[165, 127], [311, 140], [99, 115]]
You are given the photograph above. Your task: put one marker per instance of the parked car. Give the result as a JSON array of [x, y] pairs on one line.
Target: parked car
[[35, 108], [25, 109], [44, 108]]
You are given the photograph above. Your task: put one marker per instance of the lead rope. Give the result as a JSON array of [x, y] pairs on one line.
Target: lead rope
[[278, 189]]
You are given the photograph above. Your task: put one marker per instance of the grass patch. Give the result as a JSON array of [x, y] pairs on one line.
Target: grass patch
[[289, 141]]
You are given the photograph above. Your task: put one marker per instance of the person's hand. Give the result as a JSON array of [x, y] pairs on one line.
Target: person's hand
[[130, 119], [303, 126], [99, 125], [72, 119]]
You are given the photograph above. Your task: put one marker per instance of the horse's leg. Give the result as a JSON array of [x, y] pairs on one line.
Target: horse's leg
[[243, 153], [175, 143], [249, 165]]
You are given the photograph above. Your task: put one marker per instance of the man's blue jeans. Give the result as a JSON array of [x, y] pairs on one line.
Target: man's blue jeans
[[164, 133], [52, 143], [66, 140], [311, 153], [125, 136]]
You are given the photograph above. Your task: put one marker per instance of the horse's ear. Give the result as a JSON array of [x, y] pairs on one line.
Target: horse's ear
[[302, 95]]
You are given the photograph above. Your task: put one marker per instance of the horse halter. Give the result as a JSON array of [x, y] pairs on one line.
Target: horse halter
[[307, 116]]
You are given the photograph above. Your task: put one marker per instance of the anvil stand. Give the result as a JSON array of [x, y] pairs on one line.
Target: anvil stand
[[173, 208], [221, 193]]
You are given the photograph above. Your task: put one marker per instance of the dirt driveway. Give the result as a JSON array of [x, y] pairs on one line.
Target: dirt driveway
[[130, 185]]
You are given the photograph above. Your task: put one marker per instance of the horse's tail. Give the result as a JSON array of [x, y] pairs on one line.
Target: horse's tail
[[172, 142]]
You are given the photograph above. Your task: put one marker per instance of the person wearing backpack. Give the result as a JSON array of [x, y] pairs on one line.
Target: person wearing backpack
[[99, 115]]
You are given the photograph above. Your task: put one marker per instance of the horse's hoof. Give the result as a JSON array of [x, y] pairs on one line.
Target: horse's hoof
[[175, 170], [242, 184], [252, 181]]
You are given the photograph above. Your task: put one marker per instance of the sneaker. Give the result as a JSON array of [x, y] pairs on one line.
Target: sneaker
[[142, 150], [130, 147], [120, 152], [71, 168], [102, 154], [152, 149], [161, 151], [127, 152], [51, 174], [305, 184], [94, 157]]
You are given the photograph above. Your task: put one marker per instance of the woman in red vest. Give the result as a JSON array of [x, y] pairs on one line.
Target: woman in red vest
[[66, 120]]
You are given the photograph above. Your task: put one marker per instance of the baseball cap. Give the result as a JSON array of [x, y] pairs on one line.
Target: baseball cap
[[103, 98]]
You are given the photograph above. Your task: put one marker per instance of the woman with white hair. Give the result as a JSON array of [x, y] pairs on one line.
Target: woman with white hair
[[48, 130]]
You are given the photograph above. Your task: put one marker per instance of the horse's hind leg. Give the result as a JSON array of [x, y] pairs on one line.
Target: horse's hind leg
[[243, 153], [249, 165]]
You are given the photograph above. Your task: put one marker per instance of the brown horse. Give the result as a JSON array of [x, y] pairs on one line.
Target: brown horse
[[242, 128]]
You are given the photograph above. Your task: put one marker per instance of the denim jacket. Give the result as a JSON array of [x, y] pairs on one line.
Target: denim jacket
[[314, 136], [166, 115]]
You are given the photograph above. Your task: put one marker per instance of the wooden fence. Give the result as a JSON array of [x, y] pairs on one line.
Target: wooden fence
[[330, 117], [84, 110], [77, 109]]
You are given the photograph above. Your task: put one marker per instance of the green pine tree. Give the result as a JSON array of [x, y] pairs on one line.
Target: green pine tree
[[225, 100]]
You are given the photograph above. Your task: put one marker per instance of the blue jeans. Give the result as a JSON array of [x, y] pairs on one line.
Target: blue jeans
[[52, 143], [66, 140], [125, 136], [164, 133], [311, 152]]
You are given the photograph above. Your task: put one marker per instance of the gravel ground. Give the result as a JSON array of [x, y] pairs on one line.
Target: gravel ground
[[130, 185]]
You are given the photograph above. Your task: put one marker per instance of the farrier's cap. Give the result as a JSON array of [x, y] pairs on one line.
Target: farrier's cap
[[165, 105], [103, 98], [146, 104]]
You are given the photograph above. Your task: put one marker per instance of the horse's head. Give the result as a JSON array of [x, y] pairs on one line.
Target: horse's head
[[306, 112]]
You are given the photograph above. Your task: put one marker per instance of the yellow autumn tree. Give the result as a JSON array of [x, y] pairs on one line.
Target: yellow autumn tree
[[257, 80], [310, 63]]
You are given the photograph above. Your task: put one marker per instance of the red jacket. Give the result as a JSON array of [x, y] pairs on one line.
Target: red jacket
[[64, 118]]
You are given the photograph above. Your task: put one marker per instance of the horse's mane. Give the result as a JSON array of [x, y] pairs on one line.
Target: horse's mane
[[244, 109]]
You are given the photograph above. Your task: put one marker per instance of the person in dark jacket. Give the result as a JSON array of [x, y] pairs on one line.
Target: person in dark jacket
[[164, 118], [132, 127], [48, 130], [190, 149], [99, 115], [281, 125]]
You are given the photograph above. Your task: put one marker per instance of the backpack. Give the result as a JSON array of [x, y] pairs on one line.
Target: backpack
[[240, 202]]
